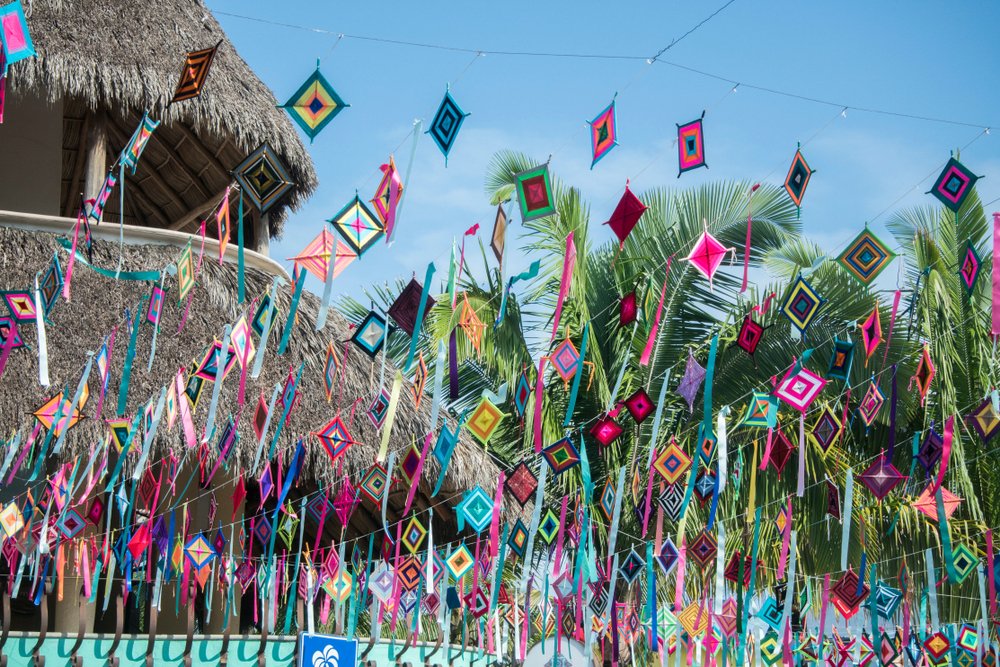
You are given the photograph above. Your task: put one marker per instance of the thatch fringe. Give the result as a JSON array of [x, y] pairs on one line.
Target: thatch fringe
[[127, 57]]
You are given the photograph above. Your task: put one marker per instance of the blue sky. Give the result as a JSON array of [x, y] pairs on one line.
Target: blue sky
[[918, 58]]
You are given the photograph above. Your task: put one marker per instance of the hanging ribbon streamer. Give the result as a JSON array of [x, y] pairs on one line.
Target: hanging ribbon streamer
[[996, 275], [949, 434], [185, 410], [932, 590], [241, 289], [990, 564], [539, 397], [722, 440], [156, 330], [8, 345], [536, 516], [800, 485], [845, 518], [258, 363], [785, 541], [390, 417], [391, 230], [121, 218], [150, 434], [43, 347], [421, 309], [569, 262], [428, 441], [654, 330], [324, 305], [571, 405], [389, 467], [287, 408], [891, 449], [290, 322], [945, 534], [142, 276], [221, 361], [439, 364], [892, 323], [750, 588], [746, 247], [72, 255], [129, 358]]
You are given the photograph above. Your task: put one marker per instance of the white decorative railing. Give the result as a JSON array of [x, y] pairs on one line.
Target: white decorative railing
[[134, 235]]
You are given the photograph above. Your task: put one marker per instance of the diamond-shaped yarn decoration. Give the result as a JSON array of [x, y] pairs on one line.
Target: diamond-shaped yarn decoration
[[881, 477], [548, 527], [639, 405], [887, 599], [314, 104], [800, 387], [954, 184], [985, 420], [968, 270], [561, 456], [607, 499], [631, 567], [802, 304], [866, 257], [671, 500], [263, 177], [606, 430], [374, 483], [199, 552], [521, 483], [871, 403], [446, 124], [672, 463], [413, 535], [702, 550], [750, 335], [826, 429], [926, 502], [965, 562], [797, 179], [847, 596], [460, 562], [667, 556], [476, 509], [707, 255], [518, 540], [485, 420]]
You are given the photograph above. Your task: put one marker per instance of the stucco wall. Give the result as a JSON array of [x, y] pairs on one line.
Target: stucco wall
[[31, 145]]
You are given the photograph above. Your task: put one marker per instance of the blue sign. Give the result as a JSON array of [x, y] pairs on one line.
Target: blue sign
[[327, 651]]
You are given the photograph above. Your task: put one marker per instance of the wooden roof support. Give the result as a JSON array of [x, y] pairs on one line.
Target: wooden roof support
[[197, 212], [150, 174], [202, 150], [195, 178], [82, 158]]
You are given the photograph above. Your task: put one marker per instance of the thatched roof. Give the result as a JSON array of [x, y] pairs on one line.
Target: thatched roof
[[97, 306], [125, 57]]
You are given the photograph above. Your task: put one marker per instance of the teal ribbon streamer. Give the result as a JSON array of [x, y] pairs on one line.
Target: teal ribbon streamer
[[650, 595], [149, 276], [872, 610], [571, 406], [750, 587], [284, 413], [932, 590], [129, 358], [616, 513], [258, 363], [290, 322], [588, 484], [294, 588], [846, 517], [709, 377], [421, 309], [530, 273], [949, 559], [241, 288]]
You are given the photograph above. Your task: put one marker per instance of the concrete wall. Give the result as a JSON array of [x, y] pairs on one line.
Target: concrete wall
[[31, 145]]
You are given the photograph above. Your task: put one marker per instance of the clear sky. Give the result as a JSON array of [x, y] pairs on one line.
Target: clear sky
[[921, 58]]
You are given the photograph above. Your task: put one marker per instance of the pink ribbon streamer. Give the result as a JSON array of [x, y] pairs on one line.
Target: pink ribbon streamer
[[800, 486], [24, 452], [746, 248], [767, 450], [949, 433], [996, 275], [892, 322], [8, 345], [562, 533], [539, 393], [495, 522], [651, 341], [569, 262], [471, 231], [823, 607], [416, 474], [72, 256], [679, 584], [189, 435]]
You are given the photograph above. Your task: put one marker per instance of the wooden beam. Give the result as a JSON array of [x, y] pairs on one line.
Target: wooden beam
[[195, 179], [198, 211], [260, 230], [81, 159], [142, 198], [150, 174], [205, 153]]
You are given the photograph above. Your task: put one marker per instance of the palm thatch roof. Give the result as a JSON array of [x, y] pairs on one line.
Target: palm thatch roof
[[97, 306], [124, 58]]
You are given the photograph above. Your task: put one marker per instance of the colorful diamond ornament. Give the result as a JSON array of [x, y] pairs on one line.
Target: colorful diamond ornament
[[534, 193], [485, 420], [476, 509], [866, 257], [968, 271], [707, 255], [691, 146], [954, 184], [603, 133], [802, 304], [263, 178], [314, 104], [561, 456], [446, 124]]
